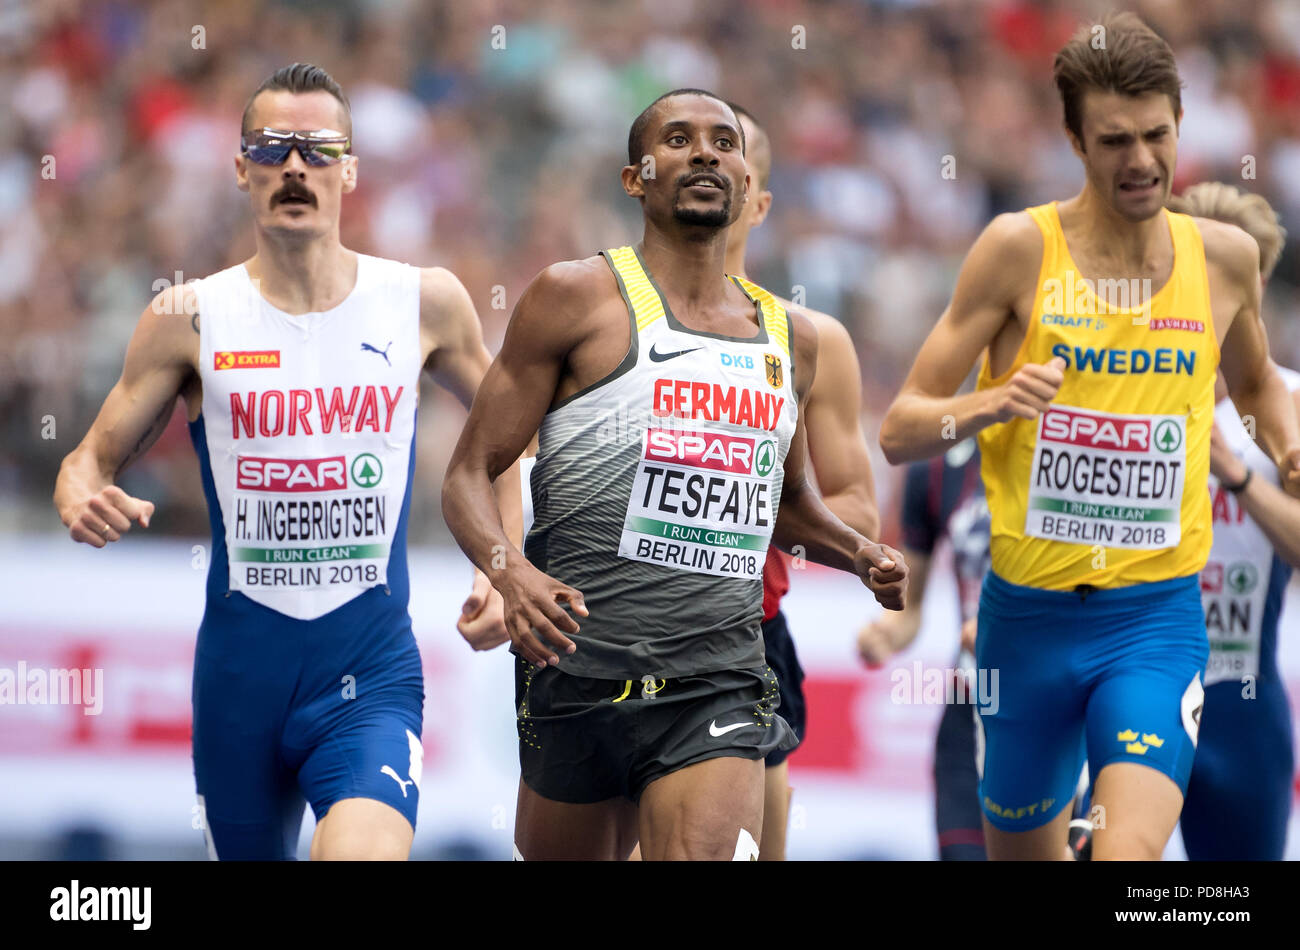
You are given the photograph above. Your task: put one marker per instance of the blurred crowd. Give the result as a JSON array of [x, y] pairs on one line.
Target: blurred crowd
[[491, 133]]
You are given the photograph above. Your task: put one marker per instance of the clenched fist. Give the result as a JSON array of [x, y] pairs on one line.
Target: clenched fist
[[1027, 394], [1290, 472], [883, 570], [105, 516], [482, 619]]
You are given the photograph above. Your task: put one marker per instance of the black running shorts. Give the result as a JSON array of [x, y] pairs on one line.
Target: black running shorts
[[584, 740]]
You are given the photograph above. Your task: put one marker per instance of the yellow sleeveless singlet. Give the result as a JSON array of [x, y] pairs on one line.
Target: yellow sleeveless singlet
[[1108, 487]]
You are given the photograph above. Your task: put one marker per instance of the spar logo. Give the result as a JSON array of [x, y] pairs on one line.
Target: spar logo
[[367, 470], [246, 359], [1169, 438], [765, 460], [1242, 577], [291, 475], [299, 475], [1104, 432], [711, 450]]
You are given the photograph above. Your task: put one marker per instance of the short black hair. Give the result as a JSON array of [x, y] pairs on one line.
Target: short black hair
[[301, 77], [642, 122]]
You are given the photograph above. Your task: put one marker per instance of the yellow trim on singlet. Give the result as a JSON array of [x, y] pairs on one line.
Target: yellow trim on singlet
[[774, 316], [647, 306]]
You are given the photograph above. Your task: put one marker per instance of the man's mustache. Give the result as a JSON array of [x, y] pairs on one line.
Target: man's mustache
[[292, 189], [693, 178]]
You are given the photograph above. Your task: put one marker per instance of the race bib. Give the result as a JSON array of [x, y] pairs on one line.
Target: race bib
[[1233, 595], [1109, 479], [703, 502], [309, 523]]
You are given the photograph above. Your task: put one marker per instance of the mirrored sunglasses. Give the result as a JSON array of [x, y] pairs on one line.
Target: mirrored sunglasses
[[272, 146]]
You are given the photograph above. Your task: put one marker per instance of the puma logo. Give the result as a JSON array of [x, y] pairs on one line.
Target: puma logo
[[388, 770], [375, 349]]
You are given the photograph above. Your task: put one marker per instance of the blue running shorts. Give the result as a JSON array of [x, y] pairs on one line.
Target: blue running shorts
[[1110, 675]]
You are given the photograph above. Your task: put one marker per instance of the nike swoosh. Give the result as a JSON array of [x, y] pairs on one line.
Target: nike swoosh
[[715, 731], [657, 357]]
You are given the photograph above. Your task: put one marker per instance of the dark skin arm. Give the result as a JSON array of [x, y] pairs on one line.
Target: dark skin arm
[[553, 317], [803, 518], [551, 335]]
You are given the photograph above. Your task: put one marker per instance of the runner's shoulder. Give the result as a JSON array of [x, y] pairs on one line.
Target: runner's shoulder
[[574, 288], [438, 284], [168, 330], [805, 335], [1002, 265], [830, 332], [1012, 240], [176, 300], [817, 318], [584, 278], [1229, 249]]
